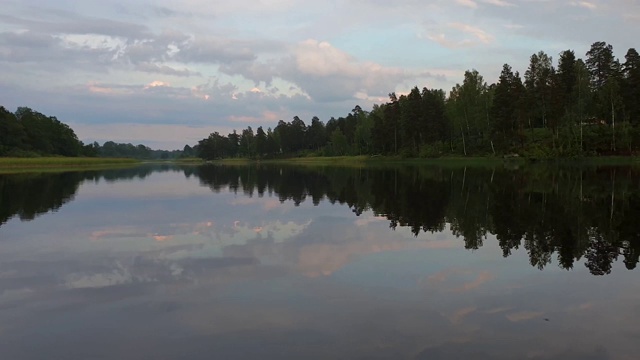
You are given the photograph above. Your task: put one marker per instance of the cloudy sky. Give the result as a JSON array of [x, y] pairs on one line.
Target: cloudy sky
[[168, 72]]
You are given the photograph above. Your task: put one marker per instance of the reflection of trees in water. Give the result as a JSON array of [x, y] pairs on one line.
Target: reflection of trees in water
[[32, 194], [550, 212], [567, 214]]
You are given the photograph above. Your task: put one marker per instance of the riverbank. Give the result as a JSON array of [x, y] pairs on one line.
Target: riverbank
[[61, 163], [364, 160], [479, 161]]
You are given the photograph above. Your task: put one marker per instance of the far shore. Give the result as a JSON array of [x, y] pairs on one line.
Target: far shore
[[362, 160], [13, 165], [9, 164]]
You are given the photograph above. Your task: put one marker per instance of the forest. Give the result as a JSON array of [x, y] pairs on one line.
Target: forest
[[28, 133], [574, 108]]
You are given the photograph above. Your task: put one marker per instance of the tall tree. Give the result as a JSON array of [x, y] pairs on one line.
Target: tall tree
[[605, 82], [260, 142], [631, 87], [410, 109], [12, 134], [503, 110], [316, 134], [538, 85], [247, 142]]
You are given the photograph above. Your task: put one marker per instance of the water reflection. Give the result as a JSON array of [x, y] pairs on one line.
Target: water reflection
[[289, 263], [572, 213], [29, 195], [567, 213]]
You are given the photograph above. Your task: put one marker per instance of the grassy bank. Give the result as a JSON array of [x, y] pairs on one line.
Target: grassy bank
[[60, 163], [478, 161], [364, 160]]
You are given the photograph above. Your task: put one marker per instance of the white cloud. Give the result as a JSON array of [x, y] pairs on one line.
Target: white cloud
[[468, 3], [459, 35], [585, 4]]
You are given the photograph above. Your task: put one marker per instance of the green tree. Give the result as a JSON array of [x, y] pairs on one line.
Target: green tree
[[12, 134], [363, 140], [233, 144], [247, 142], [505, 105], [605, 83], [261, 142], [316, 134], [631, 87], [339, 144], [538, 79]]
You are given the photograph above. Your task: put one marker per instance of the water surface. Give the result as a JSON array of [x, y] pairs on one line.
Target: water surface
[[278, 262]]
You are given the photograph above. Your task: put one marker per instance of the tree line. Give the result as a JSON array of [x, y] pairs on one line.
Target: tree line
[[573, 108], [28, 133]]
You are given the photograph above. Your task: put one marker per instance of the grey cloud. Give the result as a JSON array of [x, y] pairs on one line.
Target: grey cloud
[[216, 50], [167, 12], [75, 24], [165, 70], [50, 51], [569, 23], [28, 39], [253, 70], [146, 50], [343, 83]]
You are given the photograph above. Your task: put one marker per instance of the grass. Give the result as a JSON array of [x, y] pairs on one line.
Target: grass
[[190, 160], [365, 160], [60, 163], [445, 161]]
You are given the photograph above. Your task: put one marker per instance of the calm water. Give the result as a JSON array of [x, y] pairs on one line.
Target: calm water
[[332, 263]]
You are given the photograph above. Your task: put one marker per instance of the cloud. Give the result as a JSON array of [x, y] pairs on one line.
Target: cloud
[[468, 3], [327, 73], [165, 70], [474, 4], [66, 22], [215, 50], [498, 2], [585, 4], [459, 35], [523, 316]]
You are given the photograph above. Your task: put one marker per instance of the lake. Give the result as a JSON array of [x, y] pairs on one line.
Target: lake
[[285, 262]]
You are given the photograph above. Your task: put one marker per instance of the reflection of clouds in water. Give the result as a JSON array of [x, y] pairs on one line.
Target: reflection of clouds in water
[[232, 278], [75, 281], [11, 295], [482, 278], [459, 315], [364, 221], [119, 232], [523, 315], [162, 238], [156, 186], [450, 276], [329, 244], [265, 203]]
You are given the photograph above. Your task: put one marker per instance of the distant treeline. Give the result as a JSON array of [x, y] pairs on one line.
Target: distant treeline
[[28, 133], [120, 150], [576, 108]]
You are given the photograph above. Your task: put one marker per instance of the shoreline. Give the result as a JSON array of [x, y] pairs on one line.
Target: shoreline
[[10, 164], [365, 160]]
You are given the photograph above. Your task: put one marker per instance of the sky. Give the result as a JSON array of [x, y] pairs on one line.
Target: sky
[[167, 73]]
